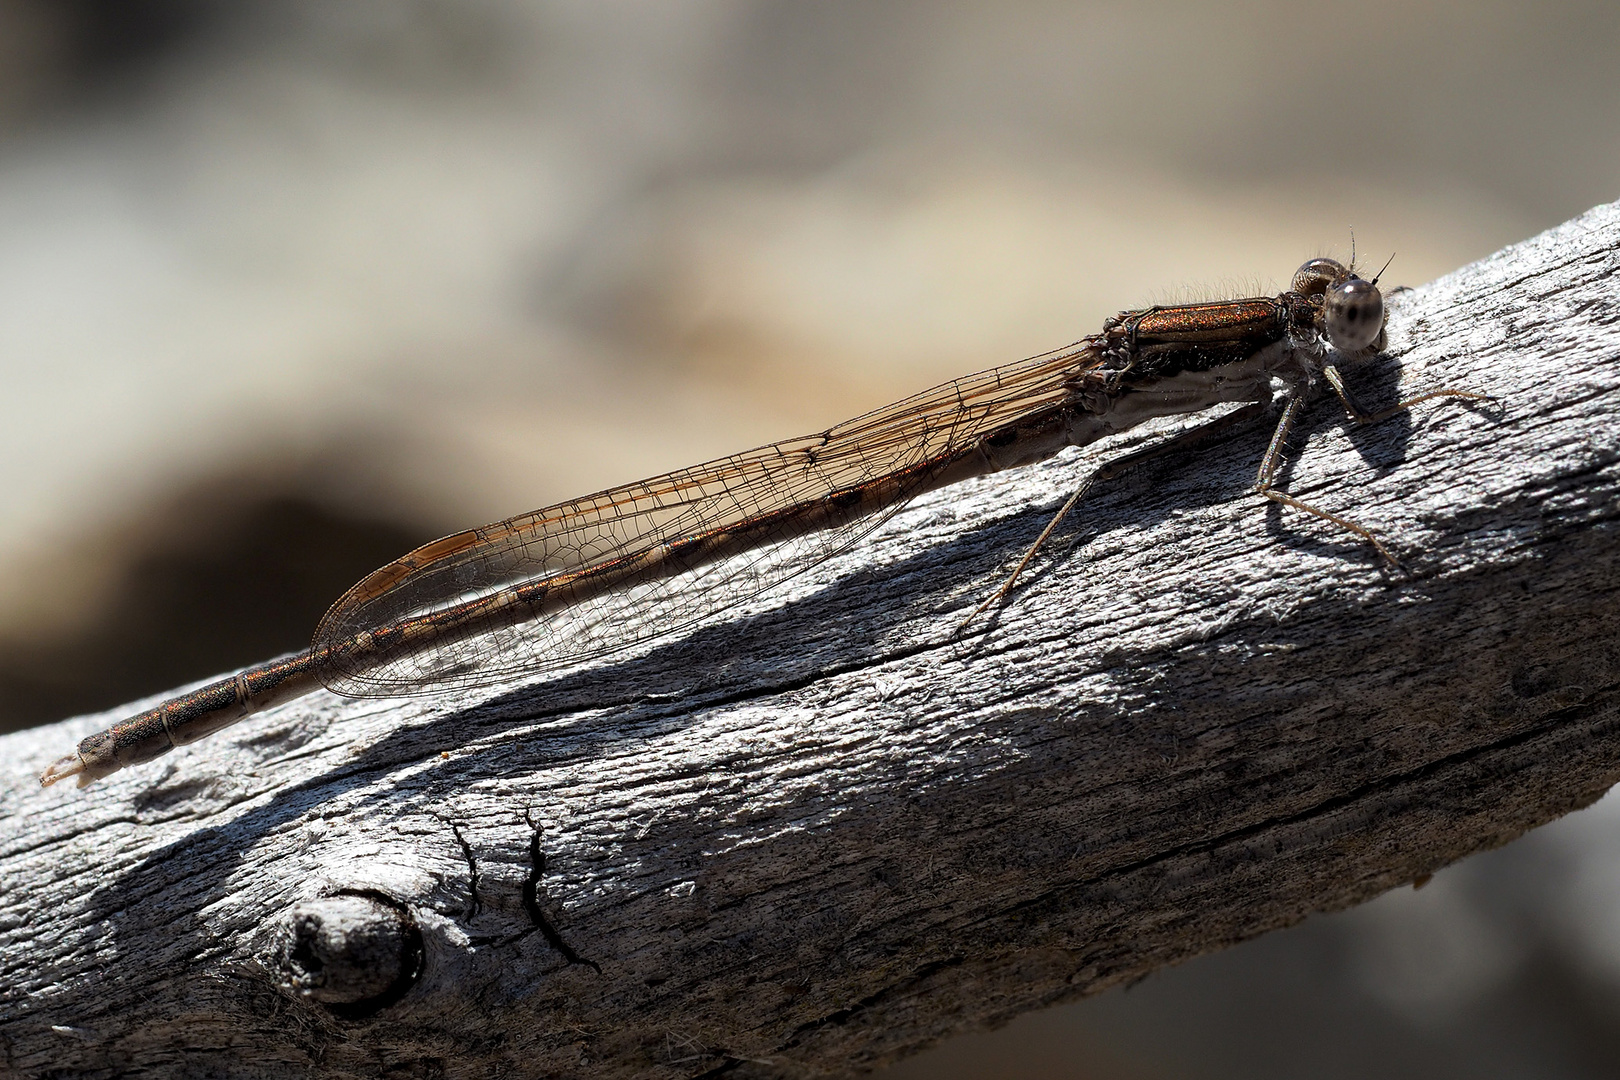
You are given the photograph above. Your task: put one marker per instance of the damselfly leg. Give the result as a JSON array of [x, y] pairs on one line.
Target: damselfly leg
[[1108, 471], [1264, 483], [1265, 479]]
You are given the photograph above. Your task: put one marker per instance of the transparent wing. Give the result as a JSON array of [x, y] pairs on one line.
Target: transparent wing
[[753, 493]]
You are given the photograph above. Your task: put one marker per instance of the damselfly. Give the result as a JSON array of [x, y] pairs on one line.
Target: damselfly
[[589, 577]]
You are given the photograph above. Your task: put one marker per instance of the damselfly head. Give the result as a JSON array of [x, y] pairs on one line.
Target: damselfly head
[[1353, 314], [1352, 308], [1318, 276]]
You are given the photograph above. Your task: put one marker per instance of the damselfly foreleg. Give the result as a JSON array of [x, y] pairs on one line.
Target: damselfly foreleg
[[1266, 477], [1353, 411]]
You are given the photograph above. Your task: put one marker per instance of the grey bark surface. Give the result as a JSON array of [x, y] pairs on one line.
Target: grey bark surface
[[821, 834]]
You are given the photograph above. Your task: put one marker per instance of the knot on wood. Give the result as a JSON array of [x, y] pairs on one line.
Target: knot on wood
[[357, 952]]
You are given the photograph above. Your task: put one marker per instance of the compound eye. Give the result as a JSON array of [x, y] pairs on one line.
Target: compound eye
[[1318, 276], [1353, 314]]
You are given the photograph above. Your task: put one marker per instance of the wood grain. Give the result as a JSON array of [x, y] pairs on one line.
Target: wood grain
[[822, 834]]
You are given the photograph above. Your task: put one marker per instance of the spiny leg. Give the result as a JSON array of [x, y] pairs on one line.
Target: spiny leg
[[1107, 471], [1279, 441]]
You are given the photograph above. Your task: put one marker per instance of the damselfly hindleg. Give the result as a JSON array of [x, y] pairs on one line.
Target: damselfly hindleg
[[1107, 471]]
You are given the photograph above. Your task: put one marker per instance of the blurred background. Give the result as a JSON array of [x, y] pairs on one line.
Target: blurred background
[[287, 288]]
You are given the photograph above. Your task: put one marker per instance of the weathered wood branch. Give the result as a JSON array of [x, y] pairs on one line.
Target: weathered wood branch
[[821, 834]]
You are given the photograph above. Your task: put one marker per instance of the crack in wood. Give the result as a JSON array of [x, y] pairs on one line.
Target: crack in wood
[[474, 904], [531, 900]]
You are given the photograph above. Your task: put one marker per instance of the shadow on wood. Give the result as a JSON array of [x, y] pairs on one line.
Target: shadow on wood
[[822, 834]]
